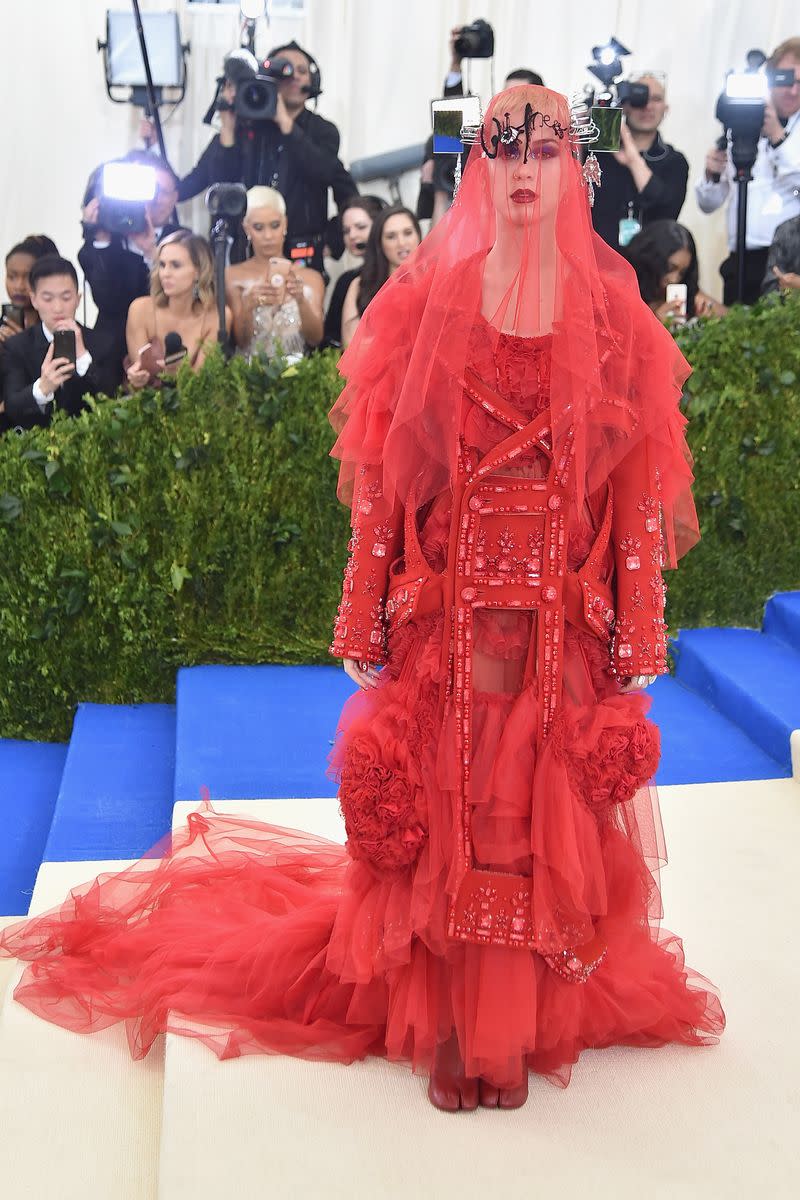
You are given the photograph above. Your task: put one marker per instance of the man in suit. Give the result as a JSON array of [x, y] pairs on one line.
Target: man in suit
[[35, 381]]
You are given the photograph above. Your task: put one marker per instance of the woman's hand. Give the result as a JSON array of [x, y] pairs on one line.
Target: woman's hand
[[8, 329], [364, 674], [670, 310], [787, 280], [294, 287], [638, 682], [707, 306], [138, 376]]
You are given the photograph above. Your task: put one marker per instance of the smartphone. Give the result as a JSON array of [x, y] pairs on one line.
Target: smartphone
[[13, 312], [64, 344], [677, 291]]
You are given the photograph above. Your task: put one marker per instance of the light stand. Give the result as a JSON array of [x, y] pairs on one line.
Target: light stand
[[152, 102], [743, 119]]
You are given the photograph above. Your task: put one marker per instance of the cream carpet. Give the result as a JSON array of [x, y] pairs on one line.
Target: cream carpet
[[78, 1120]]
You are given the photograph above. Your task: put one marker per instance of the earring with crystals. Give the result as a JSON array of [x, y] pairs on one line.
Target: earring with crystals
[[592, 175]]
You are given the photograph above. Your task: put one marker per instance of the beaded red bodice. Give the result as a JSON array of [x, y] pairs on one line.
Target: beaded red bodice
[[516, 371]]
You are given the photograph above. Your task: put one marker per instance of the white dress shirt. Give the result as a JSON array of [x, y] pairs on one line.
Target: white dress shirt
[[773, 196], [82, 365]]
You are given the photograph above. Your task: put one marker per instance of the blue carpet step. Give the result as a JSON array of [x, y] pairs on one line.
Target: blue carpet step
[[257, 732], [30, 774], [699, 744], [782, 618], [750, 677], [115, 799]]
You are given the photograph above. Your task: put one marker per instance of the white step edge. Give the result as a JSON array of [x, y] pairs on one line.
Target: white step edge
[[673, 1122]]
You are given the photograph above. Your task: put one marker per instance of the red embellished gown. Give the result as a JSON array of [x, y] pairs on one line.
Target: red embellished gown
[[498, 739]]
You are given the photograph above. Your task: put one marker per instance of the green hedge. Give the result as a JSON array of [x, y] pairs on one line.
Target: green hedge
[[200, 523], [195, 524], [743, 405]]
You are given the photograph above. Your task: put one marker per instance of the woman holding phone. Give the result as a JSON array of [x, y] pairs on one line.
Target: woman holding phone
[[664, 257], [19, 314], [277, 307], [182, 303]]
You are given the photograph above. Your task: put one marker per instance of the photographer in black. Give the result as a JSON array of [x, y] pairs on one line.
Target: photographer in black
[[646, 179], [296, 152], [117, 266]]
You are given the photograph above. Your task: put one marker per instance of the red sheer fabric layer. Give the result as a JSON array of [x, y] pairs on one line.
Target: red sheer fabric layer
[[259, 939], [526, 269]]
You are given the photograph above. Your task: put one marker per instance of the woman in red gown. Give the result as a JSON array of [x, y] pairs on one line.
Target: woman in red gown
[[513, 452]]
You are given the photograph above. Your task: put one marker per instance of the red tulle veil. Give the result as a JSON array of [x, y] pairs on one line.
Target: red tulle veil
[[616, 374]]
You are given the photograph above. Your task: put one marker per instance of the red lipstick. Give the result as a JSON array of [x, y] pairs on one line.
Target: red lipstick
[[523, 196]]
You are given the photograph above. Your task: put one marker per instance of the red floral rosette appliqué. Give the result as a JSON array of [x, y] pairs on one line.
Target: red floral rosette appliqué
[[377, 802], [609, 757]]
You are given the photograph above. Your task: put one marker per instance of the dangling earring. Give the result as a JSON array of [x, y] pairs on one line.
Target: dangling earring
[[196, 290], [592, 175]]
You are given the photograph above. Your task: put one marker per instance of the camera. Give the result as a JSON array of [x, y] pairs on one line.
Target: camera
[[256, 83], [257, 98], [475, 40]]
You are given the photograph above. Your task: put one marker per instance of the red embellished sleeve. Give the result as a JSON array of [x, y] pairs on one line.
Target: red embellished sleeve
[[639, 643], [360, 629]]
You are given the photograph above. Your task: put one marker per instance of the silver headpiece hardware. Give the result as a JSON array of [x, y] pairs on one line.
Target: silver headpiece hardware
[[470, 135], [583, 131]]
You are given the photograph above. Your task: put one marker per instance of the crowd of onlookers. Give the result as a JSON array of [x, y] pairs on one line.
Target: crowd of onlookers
[[154, 289]]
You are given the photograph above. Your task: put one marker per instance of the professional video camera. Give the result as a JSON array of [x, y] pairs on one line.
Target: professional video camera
[[475, 40], [607, 67], [256, 86]]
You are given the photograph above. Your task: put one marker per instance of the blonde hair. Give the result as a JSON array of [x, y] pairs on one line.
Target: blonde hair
[[540, 98], [265, 197], [202, 260]]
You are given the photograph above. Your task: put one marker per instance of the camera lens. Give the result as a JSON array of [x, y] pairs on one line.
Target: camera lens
[[253, 95]]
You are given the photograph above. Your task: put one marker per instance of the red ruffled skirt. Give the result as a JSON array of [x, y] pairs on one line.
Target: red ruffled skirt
[[258, 939]]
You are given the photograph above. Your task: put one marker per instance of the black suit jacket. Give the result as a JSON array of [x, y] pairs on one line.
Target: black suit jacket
[[22, 364]]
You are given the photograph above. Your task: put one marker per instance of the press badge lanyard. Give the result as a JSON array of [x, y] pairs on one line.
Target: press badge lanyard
[[629, 226]]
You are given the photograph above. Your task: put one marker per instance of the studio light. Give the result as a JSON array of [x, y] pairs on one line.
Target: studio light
[[129, 181], [607, 65], [124, 65], [253, 9], [746, 86], [125, 190]]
